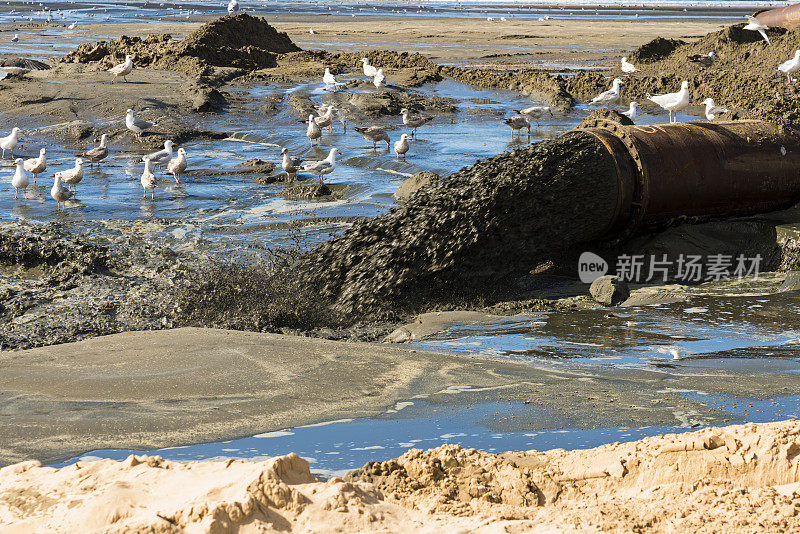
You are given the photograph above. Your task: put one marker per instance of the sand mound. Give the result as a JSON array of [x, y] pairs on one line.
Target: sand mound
[[240, 41], [741, 478], [470, 232]]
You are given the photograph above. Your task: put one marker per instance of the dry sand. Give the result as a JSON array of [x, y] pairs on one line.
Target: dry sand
[[734, 479]]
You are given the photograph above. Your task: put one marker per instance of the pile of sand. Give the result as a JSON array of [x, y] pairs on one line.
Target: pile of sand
[[240, 41], [739, 478]]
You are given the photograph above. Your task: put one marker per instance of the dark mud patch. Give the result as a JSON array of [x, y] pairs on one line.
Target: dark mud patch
[[657, 49], [239, 41], [58, 287]]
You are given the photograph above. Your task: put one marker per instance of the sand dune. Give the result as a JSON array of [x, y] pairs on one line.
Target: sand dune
[[740, 478]]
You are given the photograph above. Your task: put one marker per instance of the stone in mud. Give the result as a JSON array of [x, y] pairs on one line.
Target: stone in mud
[[307, 191], [413, 184], [204, 97], [255, 165], [80, 130], [609, 290], [376, 104]]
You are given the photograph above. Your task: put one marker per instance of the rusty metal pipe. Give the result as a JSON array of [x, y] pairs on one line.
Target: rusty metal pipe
[[782, 17], [674, 173]]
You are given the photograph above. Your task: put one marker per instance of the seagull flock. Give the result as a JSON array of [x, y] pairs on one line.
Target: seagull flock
[[675, 102], [174, 162]]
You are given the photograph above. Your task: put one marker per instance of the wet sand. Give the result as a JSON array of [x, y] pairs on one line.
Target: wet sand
[[165, 388]]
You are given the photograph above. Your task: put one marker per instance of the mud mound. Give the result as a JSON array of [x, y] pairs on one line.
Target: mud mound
[[469, 233], [656, 49], [240, 41]]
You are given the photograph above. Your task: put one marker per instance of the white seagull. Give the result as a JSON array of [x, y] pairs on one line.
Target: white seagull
[[626, 66], [673, 102], [791, 66], [177, 165], [609, 97], [313, 131], [37, 165], [73, 25], [60, 193], [322, 167], [369, 70], [401, 146], [72, 177], [329, 80], [631, 113], [754, 25], [233, 7], [148, 180], [122, 69], [135, 124], [15, 38], [713, 111], [20, 179], [9, 142], [325, 120], [162, 156], [378, 80]]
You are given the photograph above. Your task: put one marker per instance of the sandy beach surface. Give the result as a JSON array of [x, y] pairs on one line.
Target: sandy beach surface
[[740, 478]]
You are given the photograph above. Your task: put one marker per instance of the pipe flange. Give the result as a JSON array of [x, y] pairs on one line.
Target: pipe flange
[[640, 190]]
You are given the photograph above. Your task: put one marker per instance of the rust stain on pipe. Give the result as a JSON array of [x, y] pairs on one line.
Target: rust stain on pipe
[[674, 173], [782, 17]]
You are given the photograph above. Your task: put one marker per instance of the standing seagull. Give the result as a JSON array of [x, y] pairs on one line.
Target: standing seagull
[[20, 179], [374, 134], [713, 111], [369, 70], [162, 156], [704, 60], [401, 146], [673, 102], [414, 121], [325, 166], [72, 177], [626, 66], [609, 97], [94, 155], [177, 165], [60, 193], [329, 80], [122, 69], [15, 38], [148, 180], [754, 25], [233, 7], [535, 112], [517, 123], [631, 113], [378, 80], [9, 142], [37, 165], [290, 163], [325, 120], [313, 131], [73, 25], [136, 125], [791, 66]]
